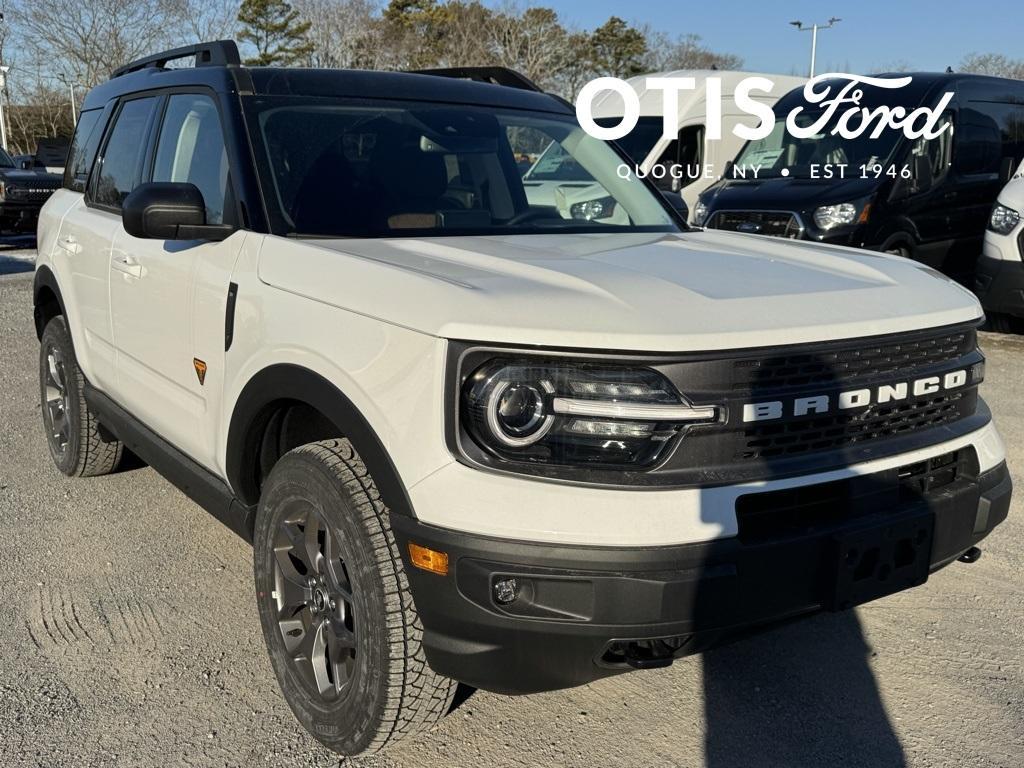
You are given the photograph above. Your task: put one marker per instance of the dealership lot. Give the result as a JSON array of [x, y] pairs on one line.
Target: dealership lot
[[130, 636]]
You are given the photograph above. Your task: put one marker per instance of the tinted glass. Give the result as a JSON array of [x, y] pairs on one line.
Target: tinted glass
[[191, 149], [6, 161], [337, 169], [83, 150], [122, 161], [639, 142]]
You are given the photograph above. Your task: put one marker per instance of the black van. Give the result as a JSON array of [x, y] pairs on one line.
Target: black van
[[926, 199]]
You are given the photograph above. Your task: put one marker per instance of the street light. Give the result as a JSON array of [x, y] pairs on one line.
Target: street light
[[69, 81], [3, 87], [813, 29]]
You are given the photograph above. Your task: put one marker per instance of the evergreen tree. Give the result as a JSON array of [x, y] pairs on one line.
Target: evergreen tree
[[276, 31]]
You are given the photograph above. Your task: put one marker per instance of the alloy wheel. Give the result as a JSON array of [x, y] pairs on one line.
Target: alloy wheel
[[57, 404], [313, 597]]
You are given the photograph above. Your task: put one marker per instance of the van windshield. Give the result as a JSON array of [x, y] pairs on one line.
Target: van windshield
[[780, 150], [340, 168], [639, 142]]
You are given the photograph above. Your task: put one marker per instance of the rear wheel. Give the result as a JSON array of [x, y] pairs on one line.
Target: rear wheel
[[1000, 323], [78, 444], [343, 634]]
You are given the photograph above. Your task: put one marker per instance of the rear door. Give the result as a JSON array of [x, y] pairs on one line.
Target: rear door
[[88, 230], [164, 376]]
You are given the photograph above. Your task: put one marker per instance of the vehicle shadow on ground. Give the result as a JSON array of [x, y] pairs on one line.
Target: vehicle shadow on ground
[[15, 254], [801, 695]]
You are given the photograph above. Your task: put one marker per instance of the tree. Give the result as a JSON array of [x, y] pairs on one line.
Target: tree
[[993, 64], [533, 42], [617, 49], [685, 52], [198, 21], [274, 28], [338, 32]]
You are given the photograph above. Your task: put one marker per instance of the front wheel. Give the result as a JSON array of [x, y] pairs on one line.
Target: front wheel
[[340, 625], [78, 444]]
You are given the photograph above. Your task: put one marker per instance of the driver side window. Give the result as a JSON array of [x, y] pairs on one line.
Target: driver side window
[[191, 149]]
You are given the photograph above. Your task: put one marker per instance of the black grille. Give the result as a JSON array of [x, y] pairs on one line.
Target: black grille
[[773, 223], [834, 432], [32, 194], [852, 364]]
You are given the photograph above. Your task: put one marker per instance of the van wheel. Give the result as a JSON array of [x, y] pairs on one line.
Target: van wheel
[[78, 444], [334, 603]]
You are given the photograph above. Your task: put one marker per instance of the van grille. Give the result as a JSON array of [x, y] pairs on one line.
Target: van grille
[[772, 223]]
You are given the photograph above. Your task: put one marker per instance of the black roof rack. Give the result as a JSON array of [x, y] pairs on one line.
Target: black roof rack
[[220, 53], [495, 75]]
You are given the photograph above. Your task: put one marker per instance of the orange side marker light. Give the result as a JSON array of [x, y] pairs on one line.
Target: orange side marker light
[[428, 559]]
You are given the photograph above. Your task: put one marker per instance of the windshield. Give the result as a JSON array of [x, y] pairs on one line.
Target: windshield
[[334, 168], [780, 149], [639, 142], [6, 161]]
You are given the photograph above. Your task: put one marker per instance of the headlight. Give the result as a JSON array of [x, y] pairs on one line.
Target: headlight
[[602, 208], [571, 414], [1003, 220], [832, 216], [700, 214]]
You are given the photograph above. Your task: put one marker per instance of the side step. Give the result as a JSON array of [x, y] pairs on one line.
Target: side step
[[195, 481]]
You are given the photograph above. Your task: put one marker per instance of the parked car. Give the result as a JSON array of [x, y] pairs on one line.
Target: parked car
[[473, 439], [703, 160], [22, 193], [1000, 279], [926, 199]]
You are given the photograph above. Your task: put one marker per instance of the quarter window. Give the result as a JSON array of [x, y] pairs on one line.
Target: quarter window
[[191, 149], [83, 150], [122, 159]]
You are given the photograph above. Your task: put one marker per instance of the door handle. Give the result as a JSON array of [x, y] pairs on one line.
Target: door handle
[[128, 266], [69, 244]]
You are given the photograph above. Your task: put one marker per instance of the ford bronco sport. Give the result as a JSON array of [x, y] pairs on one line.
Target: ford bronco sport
[[472, 439]]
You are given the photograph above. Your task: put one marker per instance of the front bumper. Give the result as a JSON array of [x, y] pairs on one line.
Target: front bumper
[[999, 285], [19, 217], [583, 612]]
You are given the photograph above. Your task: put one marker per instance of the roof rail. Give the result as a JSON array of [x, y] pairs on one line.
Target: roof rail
[[495, 75], [220, 53]]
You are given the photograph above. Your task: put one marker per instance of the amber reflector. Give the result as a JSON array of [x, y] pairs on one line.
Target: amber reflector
[[428, 559]]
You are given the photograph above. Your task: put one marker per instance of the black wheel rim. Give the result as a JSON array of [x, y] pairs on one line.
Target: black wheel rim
[[56, 401], [313, 600]]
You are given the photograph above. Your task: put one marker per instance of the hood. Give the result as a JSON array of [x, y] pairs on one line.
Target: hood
[[662, 292], [786, 194], [41, 177]]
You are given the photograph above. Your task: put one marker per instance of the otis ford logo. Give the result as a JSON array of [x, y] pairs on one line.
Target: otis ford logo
[[854, 398]]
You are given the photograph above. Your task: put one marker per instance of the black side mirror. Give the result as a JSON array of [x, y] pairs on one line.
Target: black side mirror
[[923, 177], [25, 165], [169, 210]]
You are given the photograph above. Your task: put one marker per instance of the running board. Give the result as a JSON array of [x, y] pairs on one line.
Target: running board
[[198, 483]]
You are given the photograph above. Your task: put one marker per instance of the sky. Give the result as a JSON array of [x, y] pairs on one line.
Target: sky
[[927, 35]]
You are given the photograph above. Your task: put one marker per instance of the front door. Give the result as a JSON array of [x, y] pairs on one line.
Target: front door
[[161, 376]]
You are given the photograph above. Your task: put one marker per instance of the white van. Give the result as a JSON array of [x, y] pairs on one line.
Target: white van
[[690, 148], [999, 279]]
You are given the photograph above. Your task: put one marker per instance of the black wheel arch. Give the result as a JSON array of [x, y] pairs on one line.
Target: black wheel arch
[[258, 406], [47, 301]]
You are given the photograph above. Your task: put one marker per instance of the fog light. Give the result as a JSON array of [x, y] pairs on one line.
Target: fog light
[[505, 591]]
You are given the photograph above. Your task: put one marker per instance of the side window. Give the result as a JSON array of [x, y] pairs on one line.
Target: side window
[[121, 166], [191, 149], [977, 145], [937, 150], [685, 151], [83, 150]]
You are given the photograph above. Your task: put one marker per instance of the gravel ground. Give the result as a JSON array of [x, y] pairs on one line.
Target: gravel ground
[[130, 637]]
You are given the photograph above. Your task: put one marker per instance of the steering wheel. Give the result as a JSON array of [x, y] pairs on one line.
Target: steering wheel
[[529, 214]]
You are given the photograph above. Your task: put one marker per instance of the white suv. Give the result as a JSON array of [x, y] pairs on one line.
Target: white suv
[[474, 439]]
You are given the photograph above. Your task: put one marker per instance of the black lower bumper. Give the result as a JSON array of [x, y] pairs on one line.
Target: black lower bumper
[[19, 217], [582, 613], [999, 285]]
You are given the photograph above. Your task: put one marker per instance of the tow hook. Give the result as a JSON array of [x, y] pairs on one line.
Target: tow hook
[[972, 555]]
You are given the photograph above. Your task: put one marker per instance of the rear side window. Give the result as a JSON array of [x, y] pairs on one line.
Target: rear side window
[[83, 150], [121, 166], [191, 149]]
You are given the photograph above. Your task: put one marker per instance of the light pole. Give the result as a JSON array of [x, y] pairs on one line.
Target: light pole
[[813, 29], [3, 118], [70, 83]]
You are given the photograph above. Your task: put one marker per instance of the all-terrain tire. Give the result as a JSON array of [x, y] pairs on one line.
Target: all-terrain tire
[[322, 537], [79, 445]]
